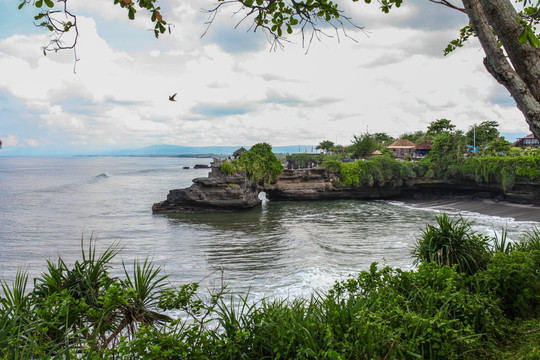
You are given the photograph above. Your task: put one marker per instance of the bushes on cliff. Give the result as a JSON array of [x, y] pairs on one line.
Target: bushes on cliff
[[302, 160], [503, 170], [445, 155], [259, 163], [226, 168], [376, 171]]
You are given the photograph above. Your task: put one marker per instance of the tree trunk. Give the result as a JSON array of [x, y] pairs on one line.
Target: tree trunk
[[494, 21]]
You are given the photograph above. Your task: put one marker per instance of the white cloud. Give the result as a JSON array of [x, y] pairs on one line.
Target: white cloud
[[395, 80], [31, 142], [10, 141]]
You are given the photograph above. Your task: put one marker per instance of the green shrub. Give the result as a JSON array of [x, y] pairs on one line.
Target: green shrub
[[514, 279], [332, 165], [376, 171], [503, 170], [226, 168], [260, 164], [452, 243], [529, 241], [429, 313]]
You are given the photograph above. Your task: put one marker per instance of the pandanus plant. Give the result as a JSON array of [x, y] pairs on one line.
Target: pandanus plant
[[452, 242]]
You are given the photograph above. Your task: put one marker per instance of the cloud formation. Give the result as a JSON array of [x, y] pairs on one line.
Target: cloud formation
[[232, 89]]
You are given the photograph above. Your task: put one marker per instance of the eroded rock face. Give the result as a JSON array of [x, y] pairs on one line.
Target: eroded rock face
[[216, 193], [223, 193], [321, 184]]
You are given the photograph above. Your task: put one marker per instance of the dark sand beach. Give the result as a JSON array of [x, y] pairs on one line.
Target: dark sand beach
[[504, 209]]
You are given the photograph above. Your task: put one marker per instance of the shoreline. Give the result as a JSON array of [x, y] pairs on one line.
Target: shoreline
[[503, 209]]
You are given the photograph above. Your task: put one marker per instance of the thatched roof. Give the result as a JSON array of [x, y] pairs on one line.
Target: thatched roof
[[376, 152], [426, 145], [402, 144], [239, 152]]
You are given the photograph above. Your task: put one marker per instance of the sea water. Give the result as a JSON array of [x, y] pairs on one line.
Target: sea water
[[281, 249]]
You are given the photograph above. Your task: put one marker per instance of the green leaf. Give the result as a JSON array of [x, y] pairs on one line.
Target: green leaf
[[533, 40], [49, 3], [21, 5], [523, 36], [39, 3]]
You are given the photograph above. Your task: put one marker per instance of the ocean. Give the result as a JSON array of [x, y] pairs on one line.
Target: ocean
[[282, 249]]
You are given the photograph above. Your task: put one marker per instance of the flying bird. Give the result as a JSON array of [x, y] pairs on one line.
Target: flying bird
[[171, 98]]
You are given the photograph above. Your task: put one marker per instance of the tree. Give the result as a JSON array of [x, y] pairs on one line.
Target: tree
[[440, 126], [260, 164], [326, 146], [383, 139], [416, 137], [508, 37], [482, 134], [499, 146], [363, 145], [446, 153]]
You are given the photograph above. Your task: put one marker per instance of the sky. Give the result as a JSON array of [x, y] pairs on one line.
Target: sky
[[233, 88]]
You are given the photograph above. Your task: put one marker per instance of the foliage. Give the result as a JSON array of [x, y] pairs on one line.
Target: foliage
[[499, 146], [514, 279], [48, 10], [226, 168], [504, 170], [432, 312], [303, 160], [363, 145], [259, 163], [327, 146], [80, 308], [440, 126], [429, 313], [416, 137], [383, 139], [378, 170], [332, 165], [529, 241], [445, 155], [452, 243], [482, 134]]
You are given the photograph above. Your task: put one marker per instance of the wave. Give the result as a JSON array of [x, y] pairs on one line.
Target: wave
[[167, 170], [99, 178]]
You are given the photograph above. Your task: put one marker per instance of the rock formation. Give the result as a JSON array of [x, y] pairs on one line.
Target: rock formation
[[321, 184], [224, 193], [216, 193]]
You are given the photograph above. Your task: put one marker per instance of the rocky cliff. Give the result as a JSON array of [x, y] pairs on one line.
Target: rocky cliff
[[216, 193], [321, 184], [220, 192]]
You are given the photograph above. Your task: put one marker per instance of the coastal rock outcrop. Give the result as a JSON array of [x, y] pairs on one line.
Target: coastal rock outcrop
[[216, 193], [321, 184], [224, 193]]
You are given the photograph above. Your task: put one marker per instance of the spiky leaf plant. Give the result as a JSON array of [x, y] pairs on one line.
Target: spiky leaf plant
[[452, 242]]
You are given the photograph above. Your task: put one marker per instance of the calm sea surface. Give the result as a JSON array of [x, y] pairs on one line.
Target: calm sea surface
[[281, 249]]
